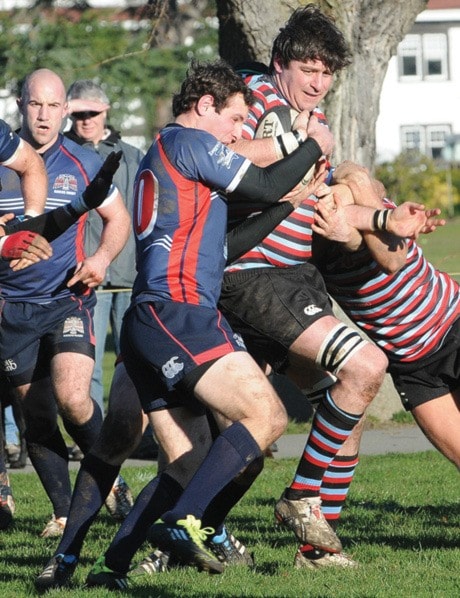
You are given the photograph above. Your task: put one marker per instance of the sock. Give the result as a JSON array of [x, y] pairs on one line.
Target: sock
[[331, 426], [335, 485], [85, 435], [218, 509], [229, 455], [94, 481], [157, 497], [50, 460]]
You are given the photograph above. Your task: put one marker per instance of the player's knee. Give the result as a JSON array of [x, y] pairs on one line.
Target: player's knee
[[366, 369], [278, 420]]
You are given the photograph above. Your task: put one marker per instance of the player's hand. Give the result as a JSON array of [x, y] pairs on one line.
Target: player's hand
[[321, 134], [97, 190], [25, 248], [407, 220], [90, 272], [432, 221], [330, 220], [3, 220], [302, 191], [301, 120]]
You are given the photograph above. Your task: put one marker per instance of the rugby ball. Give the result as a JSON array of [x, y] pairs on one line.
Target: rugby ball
[[276, 121]]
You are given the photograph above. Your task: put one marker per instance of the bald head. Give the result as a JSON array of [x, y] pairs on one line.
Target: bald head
[[44, 78], [43, 106]]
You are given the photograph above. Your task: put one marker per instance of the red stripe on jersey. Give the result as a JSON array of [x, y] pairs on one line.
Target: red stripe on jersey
[[193, 209], [80, 234]]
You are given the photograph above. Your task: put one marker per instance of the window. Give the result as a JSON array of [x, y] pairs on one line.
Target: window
[[426, 139], [423, 57]]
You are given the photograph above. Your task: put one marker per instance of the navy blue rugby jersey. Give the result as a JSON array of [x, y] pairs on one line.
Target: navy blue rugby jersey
[[70, 168]]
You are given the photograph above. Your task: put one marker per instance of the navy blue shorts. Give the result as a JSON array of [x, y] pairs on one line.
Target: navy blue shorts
[[31, 334], [167, 347]]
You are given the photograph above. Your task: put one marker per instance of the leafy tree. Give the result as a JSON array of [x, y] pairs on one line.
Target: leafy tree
[[139, 75], [415, 177]]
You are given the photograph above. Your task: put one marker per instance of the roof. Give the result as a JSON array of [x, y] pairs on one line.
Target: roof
[[442, 4]]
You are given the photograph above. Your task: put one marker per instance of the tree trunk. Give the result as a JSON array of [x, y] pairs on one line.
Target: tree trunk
[[372, 28]]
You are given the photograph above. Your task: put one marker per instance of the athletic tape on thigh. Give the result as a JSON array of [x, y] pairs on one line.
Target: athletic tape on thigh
[[339, 345]]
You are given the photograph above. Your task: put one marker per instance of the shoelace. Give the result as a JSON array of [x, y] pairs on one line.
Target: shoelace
[[194, 529]]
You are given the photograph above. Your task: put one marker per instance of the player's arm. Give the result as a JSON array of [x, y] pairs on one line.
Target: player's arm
[[250, 232], [29, 166], [270, 184], [115, 233], [266, 151], [261, 152], [54, 223]]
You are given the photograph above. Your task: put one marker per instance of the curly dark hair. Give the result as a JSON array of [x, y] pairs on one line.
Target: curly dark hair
[[217, 79], [311, 35]]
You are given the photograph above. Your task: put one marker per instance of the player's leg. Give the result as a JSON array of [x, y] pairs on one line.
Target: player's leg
[[439, 420], [119, 435], [184, 438], [203, 359], [432, 394], [359, 368], [235, 387], [7, 506], [72, 347], [46, 448]]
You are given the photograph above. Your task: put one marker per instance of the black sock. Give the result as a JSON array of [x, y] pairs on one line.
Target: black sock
[[156, 498], [221, 505], [94, 481], [51, 462], [229, 455], [85, 435]]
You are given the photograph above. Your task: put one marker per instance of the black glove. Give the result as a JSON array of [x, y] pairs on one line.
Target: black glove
[[97, 190]]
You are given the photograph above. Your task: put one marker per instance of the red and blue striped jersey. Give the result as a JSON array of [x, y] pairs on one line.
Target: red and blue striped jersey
[[180, 216], [70, 168], [289, 243]]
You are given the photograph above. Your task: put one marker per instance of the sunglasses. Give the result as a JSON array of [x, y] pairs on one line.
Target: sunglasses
[[84, 115]]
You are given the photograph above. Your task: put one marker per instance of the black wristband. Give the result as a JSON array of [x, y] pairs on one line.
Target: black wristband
[[298, 136], [380, 219]]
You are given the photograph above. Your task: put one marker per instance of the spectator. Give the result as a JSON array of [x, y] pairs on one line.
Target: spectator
[[88, 108]]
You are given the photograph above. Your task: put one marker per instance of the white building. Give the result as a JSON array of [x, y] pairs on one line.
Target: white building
[[420, 100]]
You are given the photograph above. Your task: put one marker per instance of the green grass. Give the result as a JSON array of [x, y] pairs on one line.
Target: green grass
[[401, 523], [442, 248]]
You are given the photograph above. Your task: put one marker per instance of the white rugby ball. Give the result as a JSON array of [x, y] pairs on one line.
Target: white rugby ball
[[276, 121]]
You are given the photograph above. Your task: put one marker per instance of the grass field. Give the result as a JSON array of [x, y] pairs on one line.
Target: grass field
[[442, 248], [402, 523]]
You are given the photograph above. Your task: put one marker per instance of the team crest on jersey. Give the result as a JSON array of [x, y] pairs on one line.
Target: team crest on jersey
[[9, 365], [223, 154], [65, 184], [73, 327], [171, 368]]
